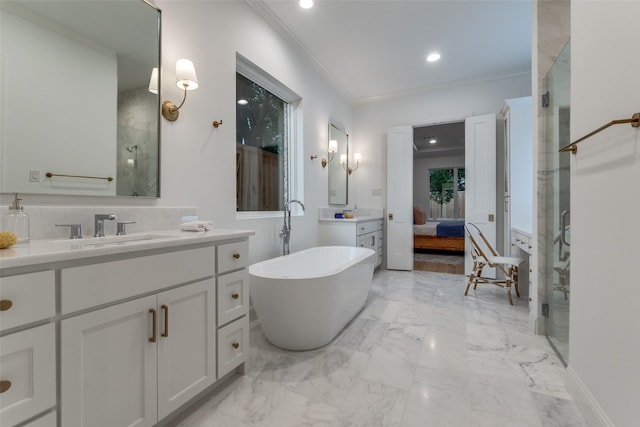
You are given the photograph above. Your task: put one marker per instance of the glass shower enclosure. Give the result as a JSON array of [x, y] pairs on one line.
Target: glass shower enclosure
[[557, 209]]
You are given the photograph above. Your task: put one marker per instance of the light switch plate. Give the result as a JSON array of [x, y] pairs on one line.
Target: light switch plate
[[34, 175]]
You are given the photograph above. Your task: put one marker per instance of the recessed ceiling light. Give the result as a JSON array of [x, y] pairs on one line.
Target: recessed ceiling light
[[242, 102], [306, 4], [432, 140], [433, 57]]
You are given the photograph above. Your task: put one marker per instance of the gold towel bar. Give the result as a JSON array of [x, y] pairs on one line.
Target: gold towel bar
[[107, 178], [634, 120]]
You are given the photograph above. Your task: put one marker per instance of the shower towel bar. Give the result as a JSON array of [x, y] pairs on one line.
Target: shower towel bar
[[107, 178], [634, 120]]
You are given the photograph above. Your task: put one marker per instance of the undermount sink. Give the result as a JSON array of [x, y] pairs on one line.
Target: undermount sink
[[113, 240]]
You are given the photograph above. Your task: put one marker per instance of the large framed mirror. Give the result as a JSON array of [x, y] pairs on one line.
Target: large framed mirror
[[78, 115], [338, 184]]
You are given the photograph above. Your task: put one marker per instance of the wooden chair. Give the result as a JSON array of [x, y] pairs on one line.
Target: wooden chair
[[484, 255]]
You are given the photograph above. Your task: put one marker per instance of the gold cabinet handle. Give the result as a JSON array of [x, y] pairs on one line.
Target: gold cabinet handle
[[235, 295], [165, 308], [236, 256], [154, 318], [5, 304], [235, 344], [4, 385]]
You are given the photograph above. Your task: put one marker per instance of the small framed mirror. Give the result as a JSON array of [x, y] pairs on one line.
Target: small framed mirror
[[338, 177]]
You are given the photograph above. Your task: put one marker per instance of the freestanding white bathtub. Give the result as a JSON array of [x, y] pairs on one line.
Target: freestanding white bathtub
[[303, 300]]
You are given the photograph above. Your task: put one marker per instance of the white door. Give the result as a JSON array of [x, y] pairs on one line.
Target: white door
[[186, 344], [400, 198], [109, 366], [480, 170]]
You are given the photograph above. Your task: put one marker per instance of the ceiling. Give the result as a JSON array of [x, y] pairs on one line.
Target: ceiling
[[376, 49], [449, 140]]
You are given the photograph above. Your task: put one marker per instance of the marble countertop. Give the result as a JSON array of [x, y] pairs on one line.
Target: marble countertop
[[356, 219], [56, 250]]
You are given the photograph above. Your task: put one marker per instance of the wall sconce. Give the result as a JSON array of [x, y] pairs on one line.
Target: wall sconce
[[185, 79], [153, 82], [357, 158], [333, 148]]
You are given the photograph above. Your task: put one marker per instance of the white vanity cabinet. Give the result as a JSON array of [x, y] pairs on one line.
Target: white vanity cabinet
[[522, 247], [125, 336], [27, 346], [345, 232]]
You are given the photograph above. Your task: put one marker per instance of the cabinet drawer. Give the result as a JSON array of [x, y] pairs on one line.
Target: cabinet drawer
[[233, 256], [28, 369], [233, 345], [521, 241], [233, 296], [92, 285], [369, 226], [26, 298]]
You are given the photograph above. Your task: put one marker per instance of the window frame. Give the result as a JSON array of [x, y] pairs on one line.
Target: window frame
[[294, 144]]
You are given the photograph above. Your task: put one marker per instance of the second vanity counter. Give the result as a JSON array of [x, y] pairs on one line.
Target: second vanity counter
[[362, 231], [120, 330]]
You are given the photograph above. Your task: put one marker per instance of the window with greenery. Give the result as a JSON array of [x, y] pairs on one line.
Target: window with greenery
[[269, 152], [446, 193], [261, 147]]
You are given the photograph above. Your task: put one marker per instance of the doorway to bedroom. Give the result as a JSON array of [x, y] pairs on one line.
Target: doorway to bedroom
[[439, 195]]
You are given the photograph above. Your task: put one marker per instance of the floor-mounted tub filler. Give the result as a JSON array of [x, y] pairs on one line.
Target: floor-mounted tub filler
[[303, 300]]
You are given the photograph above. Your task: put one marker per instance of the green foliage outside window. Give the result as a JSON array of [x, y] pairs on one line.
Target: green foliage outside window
[[441, 185]]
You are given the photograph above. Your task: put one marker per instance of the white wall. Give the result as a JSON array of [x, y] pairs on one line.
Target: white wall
[[439, 105], [198, 160], [605, 200]]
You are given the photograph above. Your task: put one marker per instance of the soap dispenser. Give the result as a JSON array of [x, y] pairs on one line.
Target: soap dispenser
[[17, 221]]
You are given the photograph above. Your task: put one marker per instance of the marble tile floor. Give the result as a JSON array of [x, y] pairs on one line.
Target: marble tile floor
[[419, 354]]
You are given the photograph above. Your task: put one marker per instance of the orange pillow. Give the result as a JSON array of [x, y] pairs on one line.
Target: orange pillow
[[419, 217]]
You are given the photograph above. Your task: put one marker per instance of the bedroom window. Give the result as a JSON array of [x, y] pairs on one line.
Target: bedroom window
[[446, 193], [267, 172]]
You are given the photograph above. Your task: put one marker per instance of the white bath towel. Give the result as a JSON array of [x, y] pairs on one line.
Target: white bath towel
[[197, 226]]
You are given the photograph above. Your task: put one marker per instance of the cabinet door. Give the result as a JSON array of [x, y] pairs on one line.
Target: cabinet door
[[186, 344], [28, 374], [109, 366]]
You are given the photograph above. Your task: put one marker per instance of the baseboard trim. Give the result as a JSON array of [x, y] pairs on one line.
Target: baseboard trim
[[585, 401]]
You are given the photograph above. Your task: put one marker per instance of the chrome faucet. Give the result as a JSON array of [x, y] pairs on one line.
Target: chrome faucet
[[285, 234], [99, 223]]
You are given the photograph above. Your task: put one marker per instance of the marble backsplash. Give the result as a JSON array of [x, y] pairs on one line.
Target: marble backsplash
[[44, 218]]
